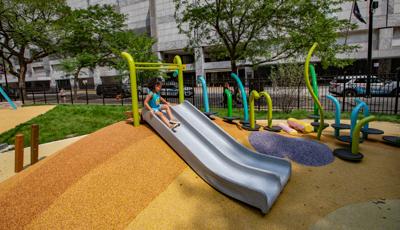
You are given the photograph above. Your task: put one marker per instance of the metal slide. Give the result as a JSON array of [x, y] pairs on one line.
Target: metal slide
[[225, 164]]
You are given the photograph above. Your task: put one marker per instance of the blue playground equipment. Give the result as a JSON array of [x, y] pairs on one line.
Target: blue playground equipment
[[245, 120], [205, 98], [337, 125], [7, 98], [365, 128]]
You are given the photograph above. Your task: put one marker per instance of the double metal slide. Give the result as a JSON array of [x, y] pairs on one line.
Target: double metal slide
[[224, 163]]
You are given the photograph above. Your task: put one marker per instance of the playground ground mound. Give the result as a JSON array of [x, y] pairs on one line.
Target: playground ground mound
[[127, 177]]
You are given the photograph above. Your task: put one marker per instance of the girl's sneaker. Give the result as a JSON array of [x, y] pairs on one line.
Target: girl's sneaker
[[174, 122], [173, 126]]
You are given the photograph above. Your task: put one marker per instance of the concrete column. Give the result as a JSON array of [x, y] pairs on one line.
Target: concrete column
[[95, 74], [385, 38], [153, 22], [199, 61]]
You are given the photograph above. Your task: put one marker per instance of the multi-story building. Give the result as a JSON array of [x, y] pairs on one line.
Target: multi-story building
[[156, 17]]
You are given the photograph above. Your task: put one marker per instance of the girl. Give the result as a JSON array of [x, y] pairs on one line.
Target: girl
[[153, 104]]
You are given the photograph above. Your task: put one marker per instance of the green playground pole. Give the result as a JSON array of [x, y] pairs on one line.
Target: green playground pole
[[315, 89], [309, 87], [355, 139], [178, 61], [229, 101]]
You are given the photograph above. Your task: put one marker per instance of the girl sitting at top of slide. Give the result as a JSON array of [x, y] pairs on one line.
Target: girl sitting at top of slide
[[155, 104]]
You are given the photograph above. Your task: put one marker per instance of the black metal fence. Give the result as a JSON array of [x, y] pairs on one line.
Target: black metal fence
[[384, 98]]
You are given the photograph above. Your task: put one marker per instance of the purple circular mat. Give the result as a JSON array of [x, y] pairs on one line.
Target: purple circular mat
[[303, 151]]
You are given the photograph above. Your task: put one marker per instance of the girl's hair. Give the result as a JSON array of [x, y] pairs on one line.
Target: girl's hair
[[154, 82]]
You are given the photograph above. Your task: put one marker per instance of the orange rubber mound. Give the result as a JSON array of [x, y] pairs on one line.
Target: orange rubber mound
[[25, 197]]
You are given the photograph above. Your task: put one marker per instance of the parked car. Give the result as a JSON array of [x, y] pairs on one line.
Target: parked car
[[351, 85], [113, 90], [388, 89], [173, 91]]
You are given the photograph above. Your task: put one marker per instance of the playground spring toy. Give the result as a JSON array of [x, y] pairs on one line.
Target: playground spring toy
[[337, 125]]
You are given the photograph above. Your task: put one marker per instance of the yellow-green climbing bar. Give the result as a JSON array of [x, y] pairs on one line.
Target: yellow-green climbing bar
[[309, 87], [254, 95]]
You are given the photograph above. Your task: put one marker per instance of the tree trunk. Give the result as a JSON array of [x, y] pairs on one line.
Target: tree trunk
[[76, 79], [21, 79], [233, 66]]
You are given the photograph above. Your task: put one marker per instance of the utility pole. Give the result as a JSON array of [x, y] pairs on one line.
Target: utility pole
[[372, 6]]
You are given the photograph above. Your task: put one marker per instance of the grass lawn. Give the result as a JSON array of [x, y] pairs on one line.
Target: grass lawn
[[65, 121], [301, 114]]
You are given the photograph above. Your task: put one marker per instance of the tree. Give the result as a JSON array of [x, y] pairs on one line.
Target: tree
[[95, 37], [263, 31], [29, 31]]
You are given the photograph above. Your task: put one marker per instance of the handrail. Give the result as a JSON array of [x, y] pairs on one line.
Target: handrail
[[178, 61], [254, 95], [244, 97], [309, 87], [133, 79], [134, 96]]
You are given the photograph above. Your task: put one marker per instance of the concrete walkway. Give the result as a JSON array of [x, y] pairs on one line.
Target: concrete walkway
[[7, 159], [10, 118]]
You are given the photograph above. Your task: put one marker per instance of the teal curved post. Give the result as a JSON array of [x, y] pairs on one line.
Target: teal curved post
[[338, 111], [2, 92], [229, 101], [356, 135], [314, 86], [244, 97], [205, 94], [366, 114]]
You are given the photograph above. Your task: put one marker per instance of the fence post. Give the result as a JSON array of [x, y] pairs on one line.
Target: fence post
[[58, 100], [44, 94], [33, 96], [87, 98], [21, 93], [34, 143], [396, 104], [19, 152], [102, 95], [72, 100], [344, 93], [298, 96]]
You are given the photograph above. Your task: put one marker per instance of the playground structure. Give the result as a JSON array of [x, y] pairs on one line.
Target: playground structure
[[315, 115], [218, 158], [245, 121], [3, 93], [229, 118], [317, 103], [254, 95], [207, 111]]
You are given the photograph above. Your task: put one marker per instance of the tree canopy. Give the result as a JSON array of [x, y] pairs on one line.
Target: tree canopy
[[29, 31], [263, 31]]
